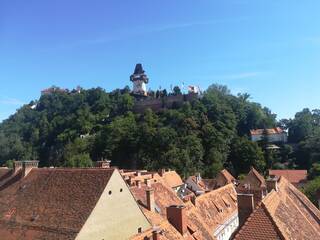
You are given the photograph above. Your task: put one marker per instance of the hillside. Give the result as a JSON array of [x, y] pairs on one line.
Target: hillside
[[78, 127]]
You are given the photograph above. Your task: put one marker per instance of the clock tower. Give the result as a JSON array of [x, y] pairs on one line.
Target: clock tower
[[139, 79]]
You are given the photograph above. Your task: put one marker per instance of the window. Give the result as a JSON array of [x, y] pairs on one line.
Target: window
[[139, 230], [121, 190], [110, 192]]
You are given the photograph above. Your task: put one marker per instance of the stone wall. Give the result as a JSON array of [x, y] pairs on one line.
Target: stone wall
[[167, 102]]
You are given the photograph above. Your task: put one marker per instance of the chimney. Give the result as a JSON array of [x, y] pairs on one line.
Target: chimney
[[198, 178], [194, 200], [147, 182], [177, 217], [245, 207], [150, 199], [156, 234], [103, 164], [138, 183], [28, 165], [17, 165], [161, 172], [138, 173], [272, 183]]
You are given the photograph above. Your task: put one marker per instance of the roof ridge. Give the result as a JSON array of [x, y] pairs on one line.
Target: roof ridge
[[278, 230], [215, 191]]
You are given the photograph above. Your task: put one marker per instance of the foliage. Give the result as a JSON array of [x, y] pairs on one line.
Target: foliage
[[310, 190], [75, 129]]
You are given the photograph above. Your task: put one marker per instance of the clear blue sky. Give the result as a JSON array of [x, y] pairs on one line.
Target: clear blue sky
[[270, 49]]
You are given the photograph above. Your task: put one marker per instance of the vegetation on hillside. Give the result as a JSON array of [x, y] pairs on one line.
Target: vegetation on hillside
[[75, 129]]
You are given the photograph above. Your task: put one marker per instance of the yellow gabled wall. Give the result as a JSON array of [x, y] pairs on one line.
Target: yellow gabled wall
[[116, 215]]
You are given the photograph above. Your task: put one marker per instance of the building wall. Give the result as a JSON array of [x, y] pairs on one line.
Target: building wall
[[281, 137], [139, 87], [226, 229], [116, 215]]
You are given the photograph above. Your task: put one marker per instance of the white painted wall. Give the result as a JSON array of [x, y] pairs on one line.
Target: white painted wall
[[226, 229], [139, 87], [116, 216]]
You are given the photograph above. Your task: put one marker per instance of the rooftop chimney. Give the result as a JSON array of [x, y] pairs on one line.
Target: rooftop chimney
[[17, 165], [177, 217], [150, 199], [103, 164], [245, 207], [28, 165], [198, 178], [156, 234], [138, 183], [272, 183], [147, 182], [194, 200], [161, 172]]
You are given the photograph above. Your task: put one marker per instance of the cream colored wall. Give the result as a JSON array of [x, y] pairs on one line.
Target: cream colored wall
[[116, 216]]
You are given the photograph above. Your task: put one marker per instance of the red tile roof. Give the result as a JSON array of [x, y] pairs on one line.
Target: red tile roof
[[229, 178], [269, 131], [217, 206], [290, 215], [293, 176], [164, 196], [259, 226], [172, 178], [50, 203], [255, 179]]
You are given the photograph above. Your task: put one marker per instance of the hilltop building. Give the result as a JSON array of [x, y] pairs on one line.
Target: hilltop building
[[139, 79], [272, 135]]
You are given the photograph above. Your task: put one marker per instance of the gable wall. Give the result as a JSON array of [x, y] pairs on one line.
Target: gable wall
[[116, 216]]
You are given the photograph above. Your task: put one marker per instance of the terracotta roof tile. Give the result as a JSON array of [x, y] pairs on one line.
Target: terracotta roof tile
[[51, 203], [164, 196], [269, 131], [213, 207], [291, 215], [293, 176], [172, 179], [229, 178], [254, 179]]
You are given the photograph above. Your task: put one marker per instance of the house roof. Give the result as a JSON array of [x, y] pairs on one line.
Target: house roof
[[5, 172], [227, 176], [286, 213], [269, 131], [293, 176], [164, 196], [50, 203], [217, 206], [10, 177], [254, 178], [252, 229], [172, 178]]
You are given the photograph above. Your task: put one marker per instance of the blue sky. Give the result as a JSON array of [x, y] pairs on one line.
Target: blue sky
[[270, 49]]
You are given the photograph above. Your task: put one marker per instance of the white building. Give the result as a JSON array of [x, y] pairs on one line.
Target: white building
[[272, 135]]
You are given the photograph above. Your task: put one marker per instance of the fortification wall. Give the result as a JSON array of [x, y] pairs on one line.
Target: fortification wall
[[163, 103]]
